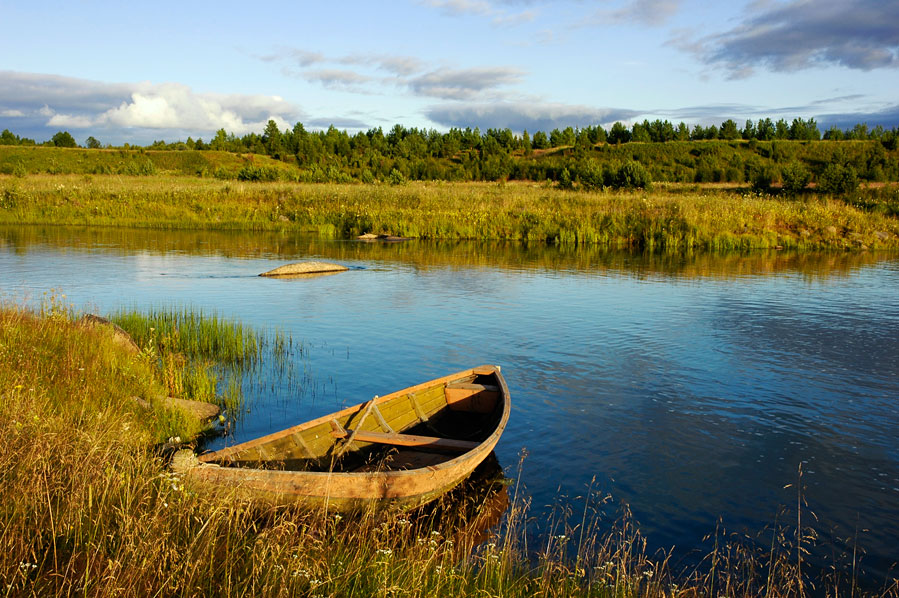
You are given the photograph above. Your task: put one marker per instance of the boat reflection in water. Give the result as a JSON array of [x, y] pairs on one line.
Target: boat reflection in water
[[471, 513]]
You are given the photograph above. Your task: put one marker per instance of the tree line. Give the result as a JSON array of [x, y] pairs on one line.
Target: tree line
[[591, 157]]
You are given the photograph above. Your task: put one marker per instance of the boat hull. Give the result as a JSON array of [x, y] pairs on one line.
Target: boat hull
[[337, 490]]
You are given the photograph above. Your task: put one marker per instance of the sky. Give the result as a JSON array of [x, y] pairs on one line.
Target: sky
[[138, 72]]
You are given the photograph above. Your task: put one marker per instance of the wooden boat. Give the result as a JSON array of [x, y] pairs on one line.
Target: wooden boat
[[400, 450]]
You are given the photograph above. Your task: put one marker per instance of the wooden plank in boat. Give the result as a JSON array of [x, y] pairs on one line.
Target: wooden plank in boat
[[409, 440]]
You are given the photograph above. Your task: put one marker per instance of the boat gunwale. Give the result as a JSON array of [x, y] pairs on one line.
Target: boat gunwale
[[484, 446]]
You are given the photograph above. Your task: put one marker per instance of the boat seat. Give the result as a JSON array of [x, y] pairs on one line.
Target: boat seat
[[474, 387], [421, 442]]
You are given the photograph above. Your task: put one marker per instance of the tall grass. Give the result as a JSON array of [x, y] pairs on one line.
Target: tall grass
[[203, 356], [88, 508], [662, 220]]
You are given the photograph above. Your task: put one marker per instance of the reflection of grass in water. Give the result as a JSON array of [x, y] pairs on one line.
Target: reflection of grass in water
[[203, 356], [585, 260]]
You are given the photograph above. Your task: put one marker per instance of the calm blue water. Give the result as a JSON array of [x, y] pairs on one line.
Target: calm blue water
[[689, 388]]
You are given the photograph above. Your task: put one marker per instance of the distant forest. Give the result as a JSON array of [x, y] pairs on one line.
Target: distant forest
[[762, 153]]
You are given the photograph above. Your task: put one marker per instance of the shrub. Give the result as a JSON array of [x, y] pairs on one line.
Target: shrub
[[590, 175], [19, 170], [396, 177], [838, 179], [760, 176], [795, 178], [632, 175], [254, 173]]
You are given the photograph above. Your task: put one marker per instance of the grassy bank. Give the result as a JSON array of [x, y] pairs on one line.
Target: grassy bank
[[670, 218], [88, 508]]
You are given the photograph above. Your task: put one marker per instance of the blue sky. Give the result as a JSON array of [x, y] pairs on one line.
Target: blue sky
[[137, 72]]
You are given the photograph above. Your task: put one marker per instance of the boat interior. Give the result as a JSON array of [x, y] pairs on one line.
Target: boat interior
[[423, 426]]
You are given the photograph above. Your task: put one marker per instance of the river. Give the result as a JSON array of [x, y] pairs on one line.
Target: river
[[690, 388]]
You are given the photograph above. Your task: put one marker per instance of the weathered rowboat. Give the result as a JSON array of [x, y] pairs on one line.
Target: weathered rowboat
[[400, 450]]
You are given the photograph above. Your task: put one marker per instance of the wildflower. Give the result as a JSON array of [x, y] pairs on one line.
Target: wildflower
[[385, 551], [337, 517]]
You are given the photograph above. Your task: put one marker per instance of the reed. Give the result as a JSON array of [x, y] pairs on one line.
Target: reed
[[666, 219], [204, 357], [89, 508], [193, 333]]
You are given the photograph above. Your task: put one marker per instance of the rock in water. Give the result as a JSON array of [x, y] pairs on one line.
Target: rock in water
[[304, 268]]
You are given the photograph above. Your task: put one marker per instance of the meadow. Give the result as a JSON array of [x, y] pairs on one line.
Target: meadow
[[90, 508], [670, 217]]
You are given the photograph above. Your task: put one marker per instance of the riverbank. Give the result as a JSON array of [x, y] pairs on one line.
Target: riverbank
[[669, 218], [90, 508]]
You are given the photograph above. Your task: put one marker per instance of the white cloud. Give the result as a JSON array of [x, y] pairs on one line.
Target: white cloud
[[69, 121], [79, 104]]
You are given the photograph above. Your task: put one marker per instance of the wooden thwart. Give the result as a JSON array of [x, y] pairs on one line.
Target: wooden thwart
[[474, 387], [408, 440]]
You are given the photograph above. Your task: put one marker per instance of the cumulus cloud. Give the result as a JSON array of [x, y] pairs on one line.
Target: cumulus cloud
[[521, 116], [801, 34], [51, 101]]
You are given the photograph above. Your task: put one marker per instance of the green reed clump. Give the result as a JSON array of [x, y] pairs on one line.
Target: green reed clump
[[192, 333], [204, 357]]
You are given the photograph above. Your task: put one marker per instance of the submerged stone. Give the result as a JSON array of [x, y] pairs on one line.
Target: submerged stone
[[304, 268]]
